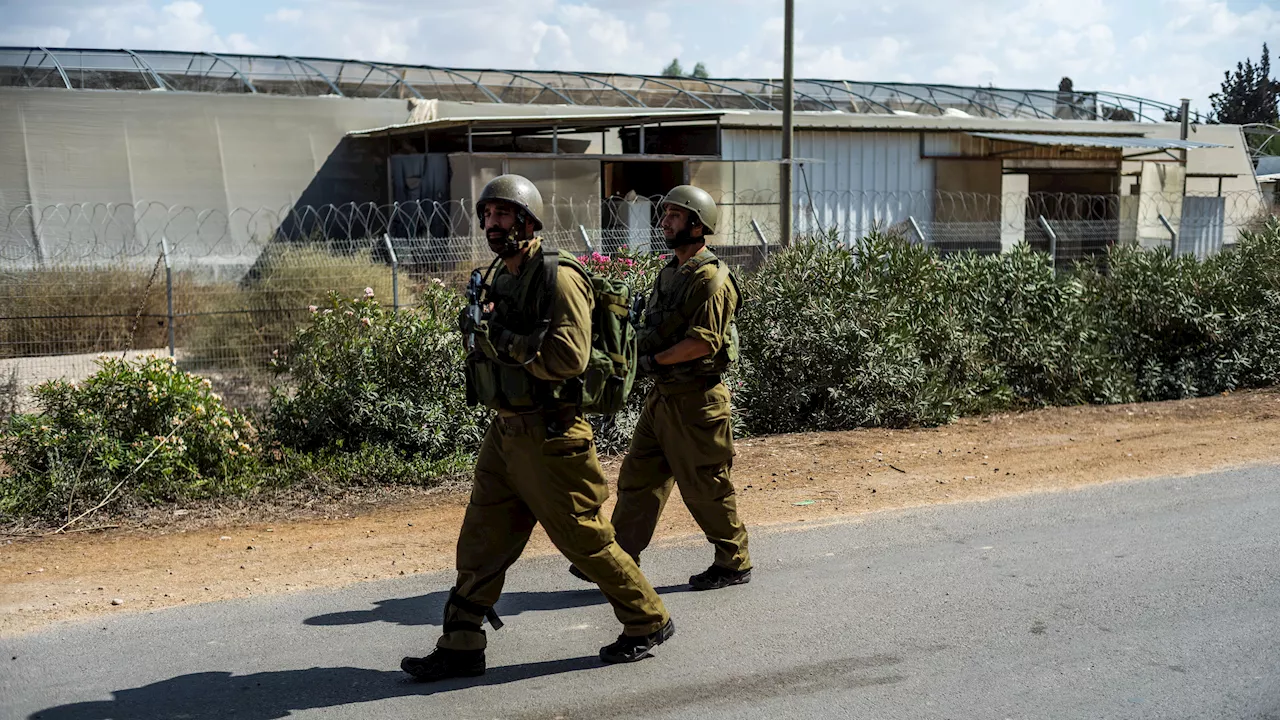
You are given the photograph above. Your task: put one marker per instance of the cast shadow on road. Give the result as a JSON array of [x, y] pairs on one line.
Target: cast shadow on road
[[428, 609], [271, 695]]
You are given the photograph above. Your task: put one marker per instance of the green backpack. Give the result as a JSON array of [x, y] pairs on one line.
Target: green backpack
[[611, 369]]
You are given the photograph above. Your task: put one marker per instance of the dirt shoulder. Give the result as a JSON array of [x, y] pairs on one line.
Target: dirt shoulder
[[780, 479]]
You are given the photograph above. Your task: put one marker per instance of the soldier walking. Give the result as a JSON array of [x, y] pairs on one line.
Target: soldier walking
[[685, 434], [537, 463]]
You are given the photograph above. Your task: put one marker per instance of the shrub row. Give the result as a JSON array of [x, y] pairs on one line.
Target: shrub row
[[834, 336]]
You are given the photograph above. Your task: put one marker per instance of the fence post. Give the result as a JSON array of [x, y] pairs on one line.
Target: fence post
[[585, 239], [764, 244], [919, 233], [1053, 240], [1173, 234], [395, 272], [168, 283]]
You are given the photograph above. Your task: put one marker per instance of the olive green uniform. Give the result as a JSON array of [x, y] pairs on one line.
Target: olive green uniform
[[685, 433], [537, 463]]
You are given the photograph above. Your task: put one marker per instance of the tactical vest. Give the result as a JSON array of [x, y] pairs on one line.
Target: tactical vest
[[522, 305], [670, 307]]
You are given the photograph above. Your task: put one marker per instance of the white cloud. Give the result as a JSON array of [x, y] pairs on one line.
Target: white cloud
[[285, 15]]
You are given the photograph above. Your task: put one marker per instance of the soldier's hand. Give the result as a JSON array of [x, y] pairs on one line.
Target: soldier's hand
[[648, 365], [501, 338]]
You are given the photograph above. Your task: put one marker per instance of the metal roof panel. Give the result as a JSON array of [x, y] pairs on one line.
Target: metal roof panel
[[1102, 141]]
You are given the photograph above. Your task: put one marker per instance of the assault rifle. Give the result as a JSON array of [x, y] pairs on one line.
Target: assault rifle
[[474, 312], [637, 309]]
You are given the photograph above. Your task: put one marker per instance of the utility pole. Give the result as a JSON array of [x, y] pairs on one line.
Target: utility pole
[[788, 100]]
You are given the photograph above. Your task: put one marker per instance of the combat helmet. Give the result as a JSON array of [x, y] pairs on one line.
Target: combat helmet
[[518, 191], [696, 201]]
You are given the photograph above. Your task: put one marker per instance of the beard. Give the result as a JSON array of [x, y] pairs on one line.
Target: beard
[[506, 243], [679, 240]]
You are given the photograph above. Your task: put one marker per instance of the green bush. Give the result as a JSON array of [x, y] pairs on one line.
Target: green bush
[[1253, 272], [362, 373], [369, 465], [158, 433], [1036, 338], [837, 337], [246, 323]]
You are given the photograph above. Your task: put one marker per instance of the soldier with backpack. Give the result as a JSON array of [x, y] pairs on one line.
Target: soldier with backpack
[[687, 339], [535, 360]]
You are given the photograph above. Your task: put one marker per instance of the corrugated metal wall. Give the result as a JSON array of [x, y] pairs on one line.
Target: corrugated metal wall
[[857, 180]]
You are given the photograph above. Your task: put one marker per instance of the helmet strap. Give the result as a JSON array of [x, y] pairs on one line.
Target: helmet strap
[[516, 240]]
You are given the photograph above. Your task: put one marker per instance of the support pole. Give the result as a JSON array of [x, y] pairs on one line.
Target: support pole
[[916, 227], [764, 244], [586, 240], [1185, 111], [788, 102], [395, 272], [1053, 240], [168, 283], [1173, 234]]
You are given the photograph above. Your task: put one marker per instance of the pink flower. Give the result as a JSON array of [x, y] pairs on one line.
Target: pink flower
[[312, 309], [368, 292], [365, 322], [348, 313]]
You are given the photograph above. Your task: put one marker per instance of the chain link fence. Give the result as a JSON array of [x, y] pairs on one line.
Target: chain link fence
[[224, 291]]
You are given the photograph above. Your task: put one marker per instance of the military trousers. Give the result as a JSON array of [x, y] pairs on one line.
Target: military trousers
[[685, 437], [524, 477]]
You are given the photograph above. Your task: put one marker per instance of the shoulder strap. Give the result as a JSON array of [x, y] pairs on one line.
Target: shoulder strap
[[698, 295]]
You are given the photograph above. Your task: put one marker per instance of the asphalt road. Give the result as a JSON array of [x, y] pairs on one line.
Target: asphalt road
[[1153, 599]]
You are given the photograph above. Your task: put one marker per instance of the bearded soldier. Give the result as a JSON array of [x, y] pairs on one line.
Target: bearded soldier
[[537, 463], [687, 340]]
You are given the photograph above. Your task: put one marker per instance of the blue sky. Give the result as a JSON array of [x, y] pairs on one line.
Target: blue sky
[[1163, 49]]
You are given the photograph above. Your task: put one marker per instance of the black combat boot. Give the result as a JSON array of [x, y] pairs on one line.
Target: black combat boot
[[444, 664], [630, 648], [716, 577]]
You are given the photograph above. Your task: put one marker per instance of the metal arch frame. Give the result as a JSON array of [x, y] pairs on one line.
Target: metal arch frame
[[768, 83], [449, 71], [1257, 130], [26, 69], [399, 80], [56, 63], [611, 86], [679, 90], [1051, 95], [1142, 101], [844, 86], [849, 91], [898, 89], [146, 66], [1012, 95], [971, 99], [543, 85], [1147, 110], [243, 78], [313, 69], [750, 98]]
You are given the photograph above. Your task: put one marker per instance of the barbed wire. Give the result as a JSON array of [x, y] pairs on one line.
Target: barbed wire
[[427, 231]]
